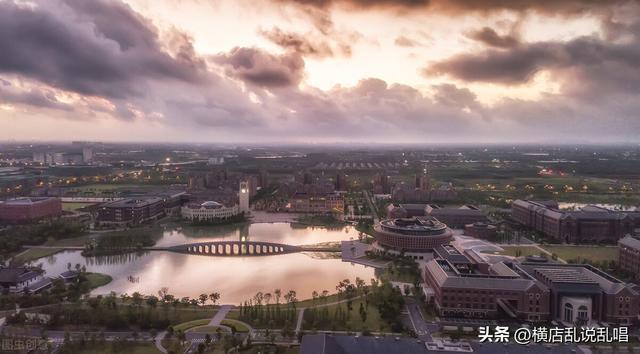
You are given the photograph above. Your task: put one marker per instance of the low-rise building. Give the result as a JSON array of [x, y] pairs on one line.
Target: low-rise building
[[316, 203], [412, 235], [591, 224], [130, 211], [464, 284], [396, 210], [16, 280], [481, 230], [208, 211], [582, 294], [25, 210], [456, 217], [629, 255]]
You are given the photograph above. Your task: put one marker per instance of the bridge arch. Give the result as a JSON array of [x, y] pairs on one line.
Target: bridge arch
[[235, 248]]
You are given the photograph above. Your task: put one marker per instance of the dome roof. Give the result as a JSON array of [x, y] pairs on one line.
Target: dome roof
[[211, 204]]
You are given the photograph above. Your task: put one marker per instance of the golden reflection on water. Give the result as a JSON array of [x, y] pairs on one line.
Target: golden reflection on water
[[235, 278]]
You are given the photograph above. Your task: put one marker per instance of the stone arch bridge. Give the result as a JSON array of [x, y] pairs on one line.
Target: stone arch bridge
[[235, 248]]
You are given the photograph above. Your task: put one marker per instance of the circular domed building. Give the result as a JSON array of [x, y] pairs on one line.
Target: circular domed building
[[209, 210], [413, 235]]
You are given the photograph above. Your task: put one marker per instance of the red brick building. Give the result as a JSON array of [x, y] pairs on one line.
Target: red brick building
[[25, 210], [481, 230], [411, 234], [464, 284], [131, 211], [629, 256], [591, 224]]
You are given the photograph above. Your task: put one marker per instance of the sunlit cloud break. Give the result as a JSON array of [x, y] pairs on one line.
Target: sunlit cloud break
[[320, 71]]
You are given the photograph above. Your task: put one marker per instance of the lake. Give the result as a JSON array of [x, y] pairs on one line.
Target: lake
[[235, 278]]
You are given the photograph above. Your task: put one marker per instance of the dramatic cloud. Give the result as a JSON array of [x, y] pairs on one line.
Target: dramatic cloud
[[518, 65], [30, 97], [490, 37], [100, 61], [303, 44], [259, 68], [452, 7], [96, 50]]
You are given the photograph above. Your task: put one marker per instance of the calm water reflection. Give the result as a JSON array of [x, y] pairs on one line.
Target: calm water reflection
[[236, 278]]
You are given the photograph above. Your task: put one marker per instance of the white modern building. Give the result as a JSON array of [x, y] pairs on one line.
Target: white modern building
[[209, 210]]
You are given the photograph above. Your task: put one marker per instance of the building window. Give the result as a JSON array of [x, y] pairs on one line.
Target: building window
[[583, 313], [568, 312]]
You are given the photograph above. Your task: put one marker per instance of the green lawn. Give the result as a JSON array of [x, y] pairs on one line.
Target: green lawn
[[71, 206], [524, 251], [239, 326], [353, 322], [35, 253], [191, 324], [181, 315], [204, 329], [97, 280], [591, 253]]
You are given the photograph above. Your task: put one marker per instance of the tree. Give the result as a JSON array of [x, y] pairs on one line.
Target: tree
[[152, 301], [363, 313], [214, 297], [136, 299], [203, 298], [162, 293]]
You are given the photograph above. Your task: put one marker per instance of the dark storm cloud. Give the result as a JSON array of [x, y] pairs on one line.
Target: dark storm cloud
[[93, 48], [519, 64], [116, 21], [262, 69], [299, 43], [490, 37], [513, 67]]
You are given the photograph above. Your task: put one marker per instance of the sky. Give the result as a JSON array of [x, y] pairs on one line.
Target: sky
[[321, 71]]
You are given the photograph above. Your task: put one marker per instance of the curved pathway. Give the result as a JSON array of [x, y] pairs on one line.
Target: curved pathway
[[158, 342]]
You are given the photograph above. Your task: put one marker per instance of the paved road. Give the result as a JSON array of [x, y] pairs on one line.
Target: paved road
[[158, 342], [220, 315], [422, 328], [300, 317]]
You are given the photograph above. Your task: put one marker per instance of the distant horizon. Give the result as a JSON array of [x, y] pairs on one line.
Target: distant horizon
[[326, 144]]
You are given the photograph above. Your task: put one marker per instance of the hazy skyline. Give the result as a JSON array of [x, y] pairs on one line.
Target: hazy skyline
[[320, 71]]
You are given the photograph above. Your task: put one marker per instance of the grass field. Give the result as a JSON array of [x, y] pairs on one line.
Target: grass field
[[204, 329], [71, 206], [239, 326], [524, 250], [97, 280], [191, 324], [591, 253], [35, 253]]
